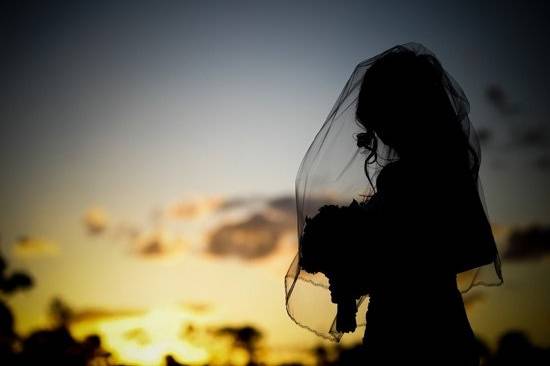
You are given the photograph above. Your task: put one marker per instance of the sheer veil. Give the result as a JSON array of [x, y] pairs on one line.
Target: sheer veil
[[333, 171]]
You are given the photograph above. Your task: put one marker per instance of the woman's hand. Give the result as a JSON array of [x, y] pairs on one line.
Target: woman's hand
[[345, 317], [344, 298]]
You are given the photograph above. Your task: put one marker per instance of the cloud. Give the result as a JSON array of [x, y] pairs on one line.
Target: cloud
[[533, 136], [197, 308], [96, 220], [499, 99], [238, 202], [30, 247], [525, 133], [160, 244], [151, 240], [285, 203], [254, 237], [268, 232], [195, 208], [485, 135], [203, 206], [531, 242], [100, 314]]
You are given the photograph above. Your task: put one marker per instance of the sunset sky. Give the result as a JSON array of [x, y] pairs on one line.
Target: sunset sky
[[148, 155]]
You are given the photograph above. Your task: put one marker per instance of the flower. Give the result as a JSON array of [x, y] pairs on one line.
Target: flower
[[333, 243]]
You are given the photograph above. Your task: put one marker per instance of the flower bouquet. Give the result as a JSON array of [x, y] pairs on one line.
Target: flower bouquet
[[333, 242]]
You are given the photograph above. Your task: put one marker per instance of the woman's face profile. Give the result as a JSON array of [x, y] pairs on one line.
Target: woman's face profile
[[398, 101], [388, 114]]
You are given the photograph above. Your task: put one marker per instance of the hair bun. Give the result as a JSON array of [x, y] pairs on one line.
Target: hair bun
[[363, 139]]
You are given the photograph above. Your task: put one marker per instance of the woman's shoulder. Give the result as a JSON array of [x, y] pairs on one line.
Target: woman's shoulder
[[390, 175], [402, 184]]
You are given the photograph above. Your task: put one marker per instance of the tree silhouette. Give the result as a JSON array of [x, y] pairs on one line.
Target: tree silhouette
[[246, 338], [54, 346], [60, 312], [9, 284]]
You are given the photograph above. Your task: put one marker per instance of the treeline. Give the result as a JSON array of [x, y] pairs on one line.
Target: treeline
[[57, 346]]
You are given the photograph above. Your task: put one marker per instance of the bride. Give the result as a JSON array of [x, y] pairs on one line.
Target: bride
[[398, 140]]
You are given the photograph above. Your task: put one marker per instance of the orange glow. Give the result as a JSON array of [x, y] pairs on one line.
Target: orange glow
[[161, 328]]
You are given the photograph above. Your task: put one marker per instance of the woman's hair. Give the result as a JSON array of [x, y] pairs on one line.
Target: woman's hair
[[404, 102]]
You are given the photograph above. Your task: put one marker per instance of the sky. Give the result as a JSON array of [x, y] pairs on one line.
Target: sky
[[149, 152]]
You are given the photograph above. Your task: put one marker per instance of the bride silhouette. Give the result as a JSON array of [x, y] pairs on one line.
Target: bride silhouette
[[399, 145]]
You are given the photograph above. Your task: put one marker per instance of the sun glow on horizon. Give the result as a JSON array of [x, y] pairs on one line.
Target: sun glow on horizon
[[148, 338]]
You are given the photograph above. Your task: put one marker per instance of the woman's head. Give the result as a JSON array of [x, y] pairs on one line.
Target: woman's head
[[403, 101]]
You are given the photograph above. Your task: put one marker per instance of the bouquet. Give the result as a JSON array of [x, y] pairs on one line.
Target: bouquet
[[333, 242]]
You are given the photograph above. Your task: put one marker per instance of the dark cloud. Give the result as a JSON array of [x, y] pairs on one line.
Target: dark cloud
[[150, 240], [160, 244], [534, 136], [254, 237], [32, 247], [197, 207], [524, 133], [531, 138], [153, 247], [237, 202], [484, 135], [532, 242], [99, 314], [286, 204], [499, 99]]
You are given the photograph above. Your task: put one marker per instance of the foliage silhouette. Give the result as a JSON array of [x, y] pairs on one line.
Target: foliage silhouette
[[57, 346]]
